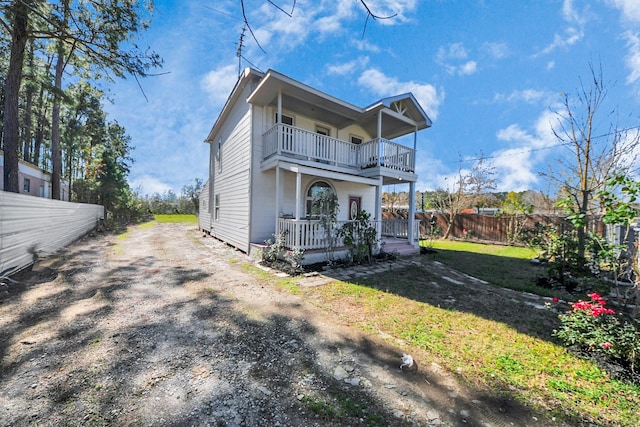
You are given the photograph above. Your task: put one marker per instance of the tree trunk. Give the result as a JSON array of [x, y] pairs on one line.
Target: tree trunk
[[40, 123], [56, 155], [20, 10], [28, 110], [450, 220]]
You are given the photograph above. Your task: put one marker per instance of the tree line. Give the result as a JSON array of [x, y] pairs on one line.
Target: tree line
[[53, 57]]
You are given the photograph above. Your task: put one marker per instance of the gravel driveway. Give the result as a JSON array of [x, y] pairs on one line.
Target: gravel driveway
[[162, 326]]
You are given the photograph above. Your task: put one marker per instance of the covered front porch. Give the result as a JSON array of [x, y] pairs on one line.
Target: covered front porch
[[310, 234]]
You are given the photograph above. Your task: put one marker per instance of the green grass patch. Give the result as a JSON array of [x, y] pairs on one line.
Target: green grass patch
[[493, 344], [505, 266], [283, 283], [145, 225], [178, 219]]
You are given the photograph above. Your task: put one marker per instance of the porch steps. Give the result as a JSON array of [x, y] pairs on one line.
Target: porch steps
[[399, 246]]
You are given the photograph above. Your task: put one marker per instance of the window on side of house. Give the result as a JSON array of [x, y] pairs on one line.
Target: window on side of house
[[286, 120], [26, 185], [216, 207], [356, 139]]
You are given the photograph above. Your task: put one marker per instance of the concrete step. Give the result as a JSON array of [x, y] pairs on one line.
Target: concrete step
[[401, 247]]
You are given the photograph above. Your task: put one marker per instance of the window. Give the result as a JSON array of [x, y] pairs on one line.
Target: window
[[322, 130], [356, 139], [316, 189], [26, 185], [219, 154], [216, 207], [286, 120]]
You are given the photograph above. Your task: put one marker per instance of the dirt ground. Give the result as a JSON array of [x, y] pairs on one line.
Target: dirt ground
[[163, 326]]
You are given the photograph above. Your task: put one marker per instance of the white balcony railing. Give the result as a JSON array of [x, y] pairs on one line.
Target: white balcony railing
[[290, 141], [309, 234]]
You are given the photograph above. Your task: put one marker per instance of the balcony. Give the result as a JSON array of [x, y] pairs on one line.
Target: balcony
[[299, 144]]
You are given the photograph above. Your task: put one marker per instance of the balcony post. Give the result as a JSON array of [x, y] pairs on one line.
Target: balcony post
[[280, 136], [379, 138], [298, 194]]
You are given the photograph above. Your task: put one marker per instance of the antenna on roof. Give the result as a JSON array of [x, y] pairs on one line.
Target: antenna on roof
[[239, 50]]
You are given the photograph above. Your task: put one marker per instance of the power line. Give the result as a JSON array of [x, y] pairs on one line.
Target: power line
[[532, 150]]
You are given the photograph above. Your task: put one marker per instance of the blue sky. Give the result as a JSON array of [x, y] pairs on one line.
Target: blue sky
[[489, 73]]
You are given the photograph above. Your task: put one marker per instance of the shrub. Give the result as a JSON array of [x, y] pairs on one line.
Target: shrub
[[360, 236], [276, 255], [592, 327]]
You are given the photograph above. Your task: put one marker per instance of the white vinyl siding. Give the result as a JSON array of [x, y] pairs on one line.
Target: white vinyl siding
[[204, 213], [230, 178]]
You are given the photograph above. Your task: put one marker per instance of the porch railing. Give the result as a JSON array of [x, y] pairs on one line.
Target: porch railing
[[309, 234], [399, 228], [298, 143]]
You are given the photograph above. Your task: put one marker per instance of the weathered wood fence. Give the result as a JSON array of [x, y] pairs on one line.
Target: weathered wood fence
[[494, 228], [35, 226]]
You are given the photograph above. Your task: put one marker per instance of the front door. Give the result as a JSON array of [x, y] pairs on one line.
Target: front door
[[354, 207]]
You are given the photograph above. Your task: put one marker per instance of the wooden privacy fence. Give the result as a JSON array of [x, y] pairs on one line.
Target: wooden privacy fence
[[34, 226], [497, 228]]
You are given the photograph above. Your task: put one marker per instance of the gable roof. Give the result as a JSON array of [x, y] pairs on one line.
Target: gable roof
[[403, 113]]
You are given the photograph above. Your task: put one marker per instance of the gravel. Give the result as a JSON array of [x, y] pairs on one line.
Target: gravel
[[163, 326]]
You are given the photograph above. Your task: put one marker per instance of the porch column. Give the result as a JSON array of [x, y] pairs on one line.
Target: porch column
[[279, 106], [412, 212], [278, 198], [298, 194], [279, 136], [378, 213]]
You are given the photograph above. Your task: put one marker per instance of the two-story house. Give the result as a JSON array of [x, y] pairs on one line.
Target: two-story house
[[278, 142]]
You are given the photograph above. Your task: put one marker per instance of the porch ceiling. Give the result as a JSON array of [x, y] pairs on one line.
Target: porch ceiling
[[304, 100]]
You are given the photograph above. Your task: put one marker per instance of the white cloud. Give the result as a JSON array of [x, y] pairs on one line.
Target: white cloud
[[632, 59], [514, 168], [348, 68], [468, 68], [454, 59], [496, 50], [150, 185], [530, 96], [219, 83], [276, 31], [455, 51], [570, 37], [366, 46], [517, 165], [630, 8], [382, 85], [573, 33]]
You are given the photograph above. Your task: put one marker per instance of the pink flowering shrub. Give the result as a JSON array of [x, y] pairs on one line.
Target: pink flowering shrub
[[592, 327]]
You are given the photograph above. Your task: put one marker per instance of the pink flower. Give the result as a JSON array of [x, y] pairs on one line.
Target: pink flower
[[606, 345], [555, 299]]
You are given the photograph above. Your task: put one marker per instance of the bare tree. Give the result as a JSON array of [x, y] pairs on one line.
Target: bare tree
[[468, 189], [592, 158]]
